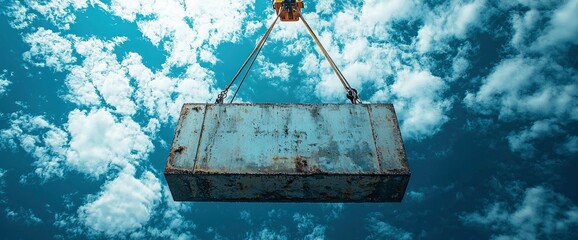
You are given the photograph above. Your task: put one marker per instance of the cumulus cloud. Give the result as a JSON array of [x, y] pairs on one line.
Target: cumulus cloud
[[522, 141], [100, 78], [163, 96], [451, 20], [41, 139], [128, 86], [100, 141], [251, 27], [2, 183], [332, 210], [307, 228], [562, 29], [124, 204], [138, 210], [379, 229], [22, 215], [419, 103], [20, 15], [4, 83], [536, 90], [275, 70], [48, 49], [523, 25], [185, 28], [415, 196], [534, 85], [174, 224], [61, 13], [538, 213], [92, 143], [267, 234], [570, 146]]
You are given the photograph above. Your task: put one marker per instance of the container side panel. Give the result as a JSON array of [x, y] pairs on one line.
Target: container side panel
[[388, 138], [344, 142], [287, 139], [289, 188], [187, 135]]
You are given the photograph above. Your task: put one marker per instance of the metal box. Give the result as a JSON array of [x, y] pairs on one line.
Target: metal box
[[287, 153]]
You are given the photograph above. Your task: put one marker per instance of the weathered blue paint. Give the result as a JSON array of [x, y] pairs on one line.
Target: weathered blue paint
[[287, 152]]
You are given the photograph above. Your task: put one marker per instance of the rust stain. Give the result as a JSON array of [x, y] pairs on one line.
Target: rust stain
[[300, 164], [315, 169], [179, 149], [172, 154], [184, 112], [280, 158], [197, 109]]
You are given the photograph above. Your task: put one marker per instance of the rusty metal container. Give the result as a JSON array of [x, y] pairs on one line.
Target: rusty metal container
[[287, 153]]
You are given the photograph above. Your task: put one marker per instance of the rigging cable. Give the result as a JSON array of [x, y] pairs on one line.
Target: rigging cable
[[351, 92], [257, 49]]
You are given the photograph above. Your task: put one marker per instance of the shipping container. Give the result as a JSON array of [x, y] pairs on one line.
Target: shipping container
[[287, 153]]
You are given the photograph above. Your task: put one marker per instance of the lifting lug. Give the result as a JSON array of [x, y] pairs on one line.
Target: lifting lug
[[352, 95]]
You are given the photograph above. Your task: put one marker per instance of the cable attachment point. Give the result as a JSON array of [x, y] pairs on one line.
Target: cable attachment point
[[221, 97], [352, 95]]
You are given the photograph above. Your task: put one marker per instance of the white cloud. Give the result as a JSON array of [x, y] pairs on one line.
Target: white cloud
[[536, 85], [562, 28], [416, 196], [91, 143], [251, 27], [535, 89], [26, 216], [186, 27], [419, 103], [2, 184], [450, 20], [100, 78], [381, 230], [325, 7], [124, 205], [266, 234], [61, 13], [99, 141], [174, 224], [20, 14], [129, 85], [4, 83], [307, 228], [522, 141], [523, 26], [571, 145], [332, 210], [153, 91], [273, 72], [44, 141], [375, 14], [140, 208], [460, 63], [520, 87], [540, 213], [48, 49], [246, 217]]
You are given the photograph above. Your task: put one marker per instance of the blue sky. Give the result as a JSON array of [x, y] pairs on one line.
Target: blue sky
[[486, 92]]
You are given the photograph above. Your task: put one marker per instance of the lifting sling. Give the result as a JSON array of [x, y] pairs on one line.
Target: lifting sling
[[290, 11]]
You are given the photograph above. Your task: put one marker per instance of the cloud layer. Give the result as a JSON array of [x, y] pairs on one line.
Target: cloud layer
[[537, 213]]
